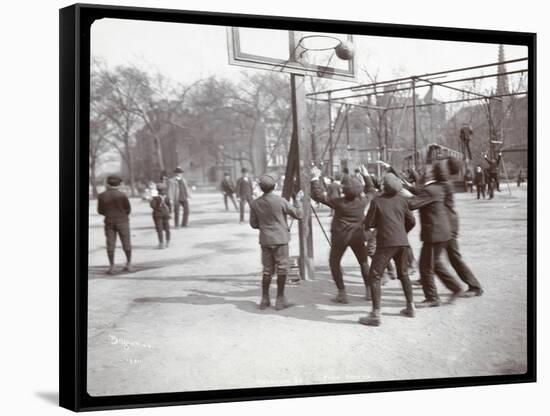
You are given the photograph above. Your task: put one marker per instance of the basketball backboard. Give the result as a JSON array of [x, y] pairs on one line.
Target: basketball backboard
[[302, 53]]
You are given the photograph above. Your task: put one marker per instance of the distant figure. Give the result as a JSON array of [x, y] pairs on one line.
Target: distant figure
[[228, 190], [162, 209], [493, 171], [269, 214], [178, 193], [245, 191], [466, 133], [345, 175], [115, 207], [468, 180], [479, 181]]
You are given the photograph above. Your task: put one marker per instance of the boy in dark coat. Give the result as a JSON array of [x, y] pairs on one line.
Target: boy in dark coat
[[435, 235], [244, 192], [479, 181], [115, 207], [347, 226], [161, 215], [492, 168], [389, 214], [228, 190], [268, 213], [453, 252]]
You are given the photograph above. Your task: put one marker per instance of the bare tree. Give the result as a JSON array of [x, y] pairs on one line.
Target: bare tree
[[120, 89]]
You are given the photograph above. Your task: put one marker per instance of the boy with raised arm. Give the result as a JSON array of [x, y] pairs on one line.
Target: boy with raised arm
[[347, 225]]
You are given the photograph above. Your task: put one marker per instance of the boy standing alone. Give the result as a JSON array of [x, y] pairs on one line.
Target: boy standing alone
[[115, 207], [228, 190], [268, 213]]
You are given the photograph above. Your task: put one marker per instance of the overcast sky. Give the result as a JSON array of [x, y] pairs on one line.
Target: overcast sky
[[186, 52]]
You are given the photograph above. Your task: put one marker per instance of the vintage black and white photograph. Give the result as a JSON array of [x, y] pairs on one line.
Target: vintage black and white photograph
[[274, 207]]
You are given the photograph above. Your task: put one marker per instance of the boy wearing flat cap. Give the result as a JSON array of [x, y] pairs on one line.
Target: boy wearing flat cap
[[162, 209], [115, 207], [268, 213], [389, 214], [347, 225]]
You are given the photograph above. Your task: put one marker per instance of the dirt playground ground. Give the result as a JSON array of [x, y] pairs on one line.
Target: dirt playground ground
[[186, 318]]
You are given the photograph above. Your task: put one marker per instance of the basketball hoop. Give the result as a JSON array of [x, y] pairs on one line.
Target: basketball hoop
[[344, 50]]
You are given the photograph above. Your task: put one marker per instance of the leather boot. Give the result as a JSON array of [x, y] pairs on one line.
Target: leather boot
[[265, 302], [281, 303], [341, 297]]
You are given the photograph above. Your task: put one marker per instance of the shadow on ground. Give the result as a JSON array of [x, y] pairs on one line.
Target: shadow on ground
[[311, 299]]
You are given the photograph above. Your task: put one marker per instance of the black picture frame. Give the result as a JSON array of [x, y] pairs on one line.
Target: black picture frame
[[75, 23]]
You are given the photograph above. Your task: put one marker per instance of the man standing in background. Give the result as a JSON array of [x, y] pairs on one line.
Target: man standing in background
[[479, 181], [244, 192], [228, 190], [493, 173], [178, 194]]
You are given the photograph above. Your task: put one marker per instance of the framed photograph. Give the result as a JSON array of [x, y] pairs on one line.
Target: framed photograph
[[259, 207]]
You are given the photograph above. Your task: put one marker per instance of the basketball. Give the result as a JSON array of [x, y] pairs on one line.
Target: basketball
[[345, 51]]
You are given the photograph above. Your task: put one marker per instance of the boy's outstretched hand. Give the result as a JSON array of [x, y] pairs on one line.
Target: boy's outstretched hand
[[315, 172]]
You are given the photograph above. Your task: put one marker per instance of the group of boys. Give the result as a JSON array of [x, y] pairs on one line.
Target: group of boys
[[486, 180], [244, 190], [388, 214], [388, 217], [114, 205]]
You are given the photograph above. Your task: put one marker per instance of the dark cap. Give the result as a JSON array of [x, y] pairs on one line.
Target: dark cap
[[178, 170], [114, 180], [244, 170], [267, 182], [352, 188], [392, 184]]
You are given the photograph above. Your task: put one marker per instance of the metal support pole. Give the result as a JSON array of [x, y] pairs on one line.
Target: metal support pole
[[298, 97], [386, 155], [331, 151], [414, 122], [506, 173], [347, 125]]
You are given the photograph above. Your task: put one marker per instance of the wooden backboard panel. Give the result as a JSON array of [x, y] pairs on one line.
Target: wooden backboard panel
[[282, 50]]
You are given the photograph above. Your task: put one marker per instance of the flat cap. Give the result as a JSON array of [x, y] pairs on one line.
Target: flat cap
[[267, 180], [114, 180]]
